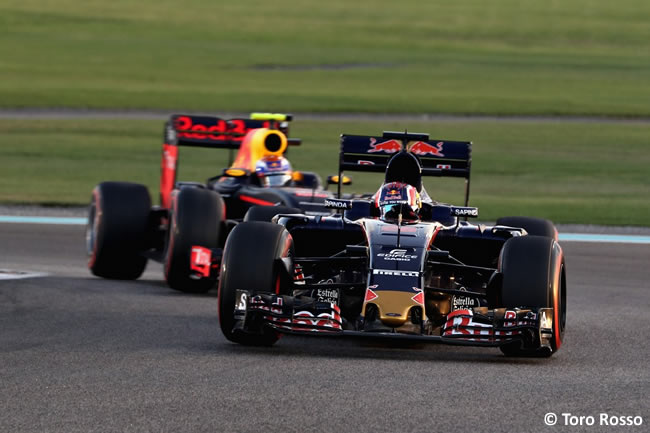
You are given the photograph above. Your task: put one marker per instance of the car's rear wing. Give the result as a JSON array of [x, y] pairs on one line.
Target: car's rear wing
[[438, 157], [211, 132], [208, 131], [214, 132]]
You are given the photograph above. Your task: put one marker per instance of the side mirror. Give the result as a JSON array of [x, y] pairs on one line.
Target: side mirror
[[297, 176], [334, 180], [235, 172]]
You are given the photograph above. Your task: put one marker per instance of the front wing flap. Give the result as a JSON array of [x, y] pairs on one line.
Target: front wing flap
[[533, 327], [295, 314]]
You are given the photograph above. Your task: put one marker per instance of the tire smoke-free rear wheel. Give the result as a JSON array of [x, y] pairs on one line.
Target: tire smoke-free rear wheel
[[534, 226], [534, 276], [266, 213], [196, 218], [250, 264], [118, 218]]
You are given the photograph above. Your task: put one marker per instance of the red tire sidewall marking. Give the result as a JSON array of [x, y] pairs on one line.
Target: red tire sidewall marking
[[98, 210], [557, 278]]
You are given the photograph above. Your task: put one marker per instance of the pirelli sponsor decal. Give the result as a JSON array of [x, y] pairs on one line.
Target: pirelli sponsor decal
[[395, 273]]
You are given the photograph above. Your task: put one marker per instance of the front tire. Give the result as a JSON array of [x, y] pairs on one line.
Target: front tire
[[195, 219], [118, 219], [534, 276], [250, 264]]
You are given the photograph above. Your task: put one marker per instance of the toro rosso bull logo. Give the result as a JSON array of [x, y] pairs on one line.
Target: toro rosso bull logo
[[422, 148], [390, 146]]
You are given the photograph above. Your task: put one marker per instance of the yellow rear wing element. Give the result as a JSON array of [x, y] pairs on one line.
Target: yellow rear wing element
[[278, 117]]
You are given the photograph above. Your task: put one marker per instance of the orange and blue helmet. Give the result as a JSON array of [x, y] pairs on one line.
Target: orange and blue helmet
[[274, 171]]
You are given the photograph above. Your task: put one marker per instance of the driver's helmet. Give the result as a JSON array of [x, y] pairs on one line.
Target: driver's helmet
[[397, 198], [404, 167], [273, 171]]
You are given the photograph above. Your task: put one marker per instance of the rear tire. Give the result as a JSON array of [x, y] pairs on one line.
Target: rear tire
[[249, 263], [266, 213], [534, 276], [116, 233], [534, 226], [195, 219]]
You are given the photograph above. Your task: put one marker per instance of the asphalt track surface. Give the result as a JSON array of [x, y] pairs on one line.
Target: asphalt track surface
[[78, 353]]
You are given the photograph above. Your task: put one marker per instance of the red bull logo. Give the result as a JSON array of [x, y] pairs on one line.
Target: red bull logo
[[390, 146], [273, 165], [422, 148]]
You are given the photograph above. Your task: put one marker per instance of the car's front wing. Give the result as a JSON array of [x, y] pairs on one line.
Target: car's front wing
[[475, 327]]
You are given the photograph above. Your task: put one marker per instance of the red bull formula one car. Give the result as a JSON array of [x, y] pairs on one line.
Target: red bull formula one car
[[397, 265], [187, 231]]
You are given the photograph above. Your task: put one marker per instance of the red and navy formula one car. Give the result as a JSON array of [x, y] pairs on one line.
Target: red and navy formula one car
[[397, 265], [187, 231]]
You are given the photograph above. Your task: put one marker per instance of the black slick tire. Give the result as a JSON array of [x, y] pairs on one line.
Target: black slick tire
[[196, 218], [250, 264], [534, 276], [117, 227], [266, 213], [534, 226]]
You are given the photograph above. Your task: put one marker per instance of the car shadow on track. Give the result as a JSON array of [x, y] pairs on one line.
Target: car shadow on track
[[149, 287], [305, 347]]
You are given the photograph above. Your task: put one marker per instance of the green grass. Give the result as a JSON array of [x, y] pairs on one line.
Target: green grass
[[466, 56], [570, 173]]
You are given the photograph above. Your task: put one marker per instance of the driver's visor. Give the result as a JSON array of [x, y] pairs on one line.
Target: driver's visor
[[275, 179], [391, 211]]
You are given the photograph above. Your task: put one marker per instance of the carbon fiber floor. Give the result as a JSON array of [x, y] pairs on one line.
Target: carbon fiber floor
[[79, 353]]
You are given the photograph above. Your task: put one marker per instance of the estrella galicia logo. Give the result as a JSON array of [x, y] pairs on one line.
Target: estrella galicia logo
[[463, 302], [327, 295]]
